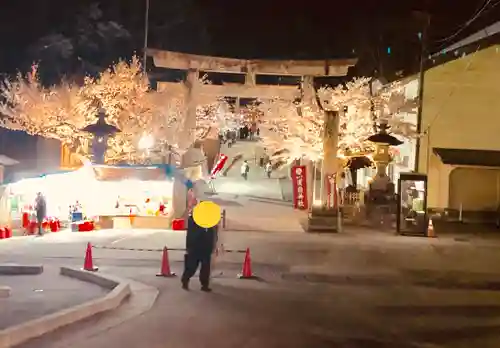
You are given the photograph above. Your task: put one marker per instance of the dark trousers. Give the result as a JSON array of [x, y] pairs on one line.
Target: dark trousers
[[191, 262], [39, 225]]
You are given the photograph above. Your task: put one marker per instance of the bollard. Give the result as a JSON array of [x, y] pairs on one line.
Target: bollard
[[460, 214], [339, 220], [223, 218]]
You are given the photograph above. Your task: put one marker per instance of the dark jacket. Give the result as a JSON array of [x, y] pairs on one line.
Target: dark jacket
[[200, 241], [40, 208]]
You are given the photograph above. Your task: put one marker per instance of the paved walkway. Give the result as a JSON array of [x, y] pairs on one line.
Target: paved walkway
[[274, 314], [37, 295]]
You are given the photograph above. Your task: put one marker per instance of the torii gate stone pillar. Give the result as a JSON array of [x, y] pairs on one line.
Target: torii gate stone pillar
[[324, 218]]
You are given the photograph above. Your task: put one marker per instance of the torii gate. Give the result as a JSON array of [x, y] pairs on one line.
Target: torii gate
[[307, 69]]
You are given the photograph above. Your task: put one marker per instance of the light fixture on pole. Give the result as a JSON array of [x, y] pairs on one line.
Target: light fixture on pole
[[146, 30]]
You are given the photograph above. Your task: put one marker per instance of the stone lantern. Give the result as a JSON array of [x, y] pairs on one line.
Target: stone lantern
[[101, 132], [383, 141]]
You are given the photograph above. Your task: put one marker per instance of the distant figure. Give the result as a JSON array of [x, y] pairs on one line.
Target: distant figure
[[341, 186], [41, 211], [261, 161], [245, 168], [269, 169], [246, 132], [200, 244]]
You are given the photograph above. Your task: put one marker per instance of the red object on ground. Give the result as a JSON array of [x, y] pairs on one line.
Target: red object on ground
[[165, 265], [178, 225], [88, 263], [2, 233], [32, 227], [246, 272], [53, 225], [45, 225], [26, 220], [86, 226], [8, 232]]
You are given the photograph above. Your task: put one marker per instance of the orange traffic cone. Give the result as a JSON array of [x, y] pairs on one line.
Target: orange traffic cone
[[246, 272], [131, 218], [165, 265], [430, 230], [88, 264]]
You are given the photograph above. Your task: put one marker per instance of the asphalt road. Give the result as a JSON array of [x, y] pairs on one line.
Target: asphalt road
[[281, 313], [316, 291]]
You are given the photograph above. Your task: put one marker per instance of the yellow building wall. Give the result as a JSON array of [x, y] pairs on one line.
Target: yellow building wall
[[461, 110]]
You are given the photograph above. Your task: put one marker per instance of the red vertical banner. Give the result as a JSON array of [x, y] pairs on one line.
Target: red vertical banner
[[331, 191], [218, 166], [299, 182]]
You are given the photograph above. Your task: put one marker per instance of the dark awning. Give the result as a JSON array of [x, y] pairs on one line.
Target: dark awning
[[467, 157]]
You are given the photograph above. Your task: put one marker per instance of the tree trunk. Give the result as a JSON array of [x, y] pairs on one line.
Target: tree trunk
[[330, 148]]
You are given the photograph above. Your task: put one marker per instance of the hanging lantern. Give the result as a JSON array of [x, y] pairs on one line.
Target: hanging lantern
[[101, 132]]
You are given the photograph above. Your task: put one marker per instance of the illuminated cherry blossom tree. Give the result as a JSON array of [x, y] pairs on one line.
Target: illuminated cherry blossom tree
[[298, 127], [123, 91]]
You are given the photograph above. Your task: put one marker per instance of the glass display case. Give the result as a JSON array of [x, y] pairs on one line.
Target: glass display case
[[412, 204]]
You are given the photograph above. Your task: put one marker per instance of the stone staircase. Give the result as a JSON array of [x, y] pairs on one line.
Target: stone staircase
[[322, 221]]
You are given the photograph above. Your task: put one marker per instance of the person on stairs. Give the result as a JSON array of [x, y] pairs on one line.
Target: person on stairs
[[245, 168], [269, 169]]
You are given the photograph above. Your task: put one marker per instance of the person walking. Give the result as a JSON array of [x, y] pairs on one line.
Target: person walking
[[41, 211], [200, 244], [245, 168], [269, 169]]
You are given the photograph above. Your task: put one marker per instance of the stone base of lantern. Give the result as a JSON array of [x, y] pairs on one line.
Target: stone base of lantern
[[322, 220]]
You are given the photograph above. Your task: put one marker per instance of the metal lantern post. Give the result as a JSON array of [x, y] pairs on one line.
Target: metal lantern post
[[101, 132]]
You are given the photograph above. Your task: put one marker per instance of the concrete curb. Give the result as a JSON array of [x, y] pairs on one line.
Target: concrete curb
[[23, 332], [5, 291], [14, 269]]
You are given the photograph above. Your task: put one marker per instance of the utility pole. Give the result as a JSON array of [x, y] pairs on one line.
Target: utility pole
[[146, 30], [423, 57]]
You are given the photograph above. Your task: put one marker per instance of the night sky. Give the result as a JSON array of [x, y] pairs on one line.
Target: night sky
[[257, 29], [268, 29]]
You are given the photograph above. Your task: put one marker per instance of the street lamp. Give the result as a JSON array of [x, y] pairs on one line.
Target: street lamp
[[101, 131], [146, 30]]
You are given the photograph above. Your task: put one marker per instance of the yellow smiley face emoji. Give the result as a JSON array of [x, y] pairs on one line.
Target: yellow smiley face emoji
[[206, 214]]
